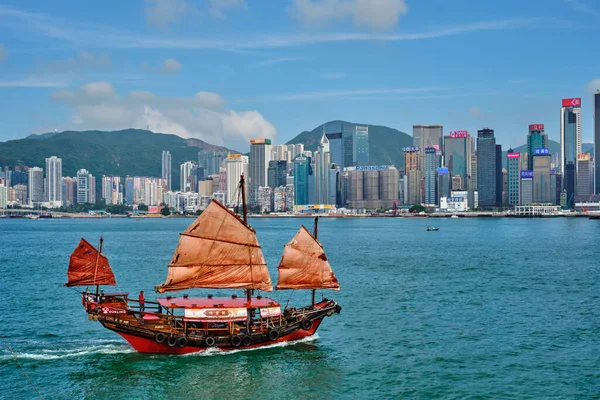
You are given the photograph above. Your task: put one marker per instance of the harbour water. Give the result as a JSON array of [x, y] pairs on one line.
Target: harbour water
[[482, 308]]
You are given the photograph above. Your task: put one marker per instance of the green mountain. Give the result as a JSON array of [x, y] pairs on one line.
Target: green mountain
[[127, 152], [385, 144]]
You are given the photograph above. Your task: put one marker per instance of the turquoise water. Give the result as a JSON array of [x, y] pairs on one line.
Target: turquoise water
[[483, 308]]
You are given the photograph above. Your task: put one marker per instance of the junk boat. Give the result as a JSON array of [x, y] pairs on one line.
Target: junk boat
[[219, 250]]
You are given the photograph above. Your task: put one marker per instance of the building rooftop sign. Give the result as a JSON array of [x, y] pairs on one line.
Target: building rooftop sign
[[574, 102], [539, 152], [373, 168]]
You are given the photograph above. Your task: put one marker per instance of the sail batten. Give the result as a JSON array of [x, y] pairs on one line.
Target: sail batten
[[89, 267], [218, 250], [304, 265]]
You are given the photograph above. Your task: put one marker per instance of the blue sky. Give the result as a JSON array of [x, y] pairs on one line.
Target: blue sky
[[226, 71]]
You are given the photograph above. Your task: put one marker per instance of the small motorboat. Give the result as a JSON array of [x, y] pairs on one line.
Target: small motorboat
[[432, 228]]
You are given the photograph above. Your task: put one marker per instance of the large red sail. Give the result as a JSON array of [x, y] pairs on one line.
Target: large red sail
[[217, 251], [304, 265], [88, 267]]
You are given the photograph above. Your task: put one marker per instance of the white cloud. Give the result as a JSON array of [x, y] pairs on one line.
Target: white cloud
[[371, 14], [204, 116], [162, 13], [593, 86], [170, 66], [3, 53], [83, 60], [217, 7]]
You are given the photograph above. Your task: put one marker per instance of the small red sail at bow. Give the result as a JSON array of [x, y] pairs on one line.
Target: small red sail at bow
[[88, 267]]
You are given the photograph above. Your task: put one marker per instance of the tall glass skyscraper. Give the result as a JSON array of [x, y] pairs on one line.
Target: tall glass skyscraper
[[302, 172], [341, 142], [597, 141], [276, 173], [570, 132], [360, 145], [486, 167], [166, 168], [431, 167], [427, 136], [536, 139], [260, 155], [457, 157], [542, 189], [513, 163]]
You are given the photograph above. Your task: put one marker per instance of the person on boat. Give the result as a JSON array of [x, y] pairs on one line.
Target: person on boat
[[141, 300]]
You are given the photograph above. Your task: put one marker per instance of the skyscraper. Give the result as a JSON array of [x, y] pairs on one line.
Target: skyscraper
[[276, 173], [486, 167], [302, 171], [536, 139], [585, 177], [260, 155], [53, 193], [570, 133], [427, 136], [211, 160], [499, 175], [322, 161], [513, 168], [235, 166], [112, 190], [69, 191], [166, 168], [431, 167], [341, 142], [457, 157], [597, 141], [542, 188], [187, 177], [36, 185], [360, 145]]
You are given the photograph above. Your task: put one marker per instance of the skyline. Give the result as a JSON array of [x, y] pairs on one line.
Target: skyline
[[220, 70]]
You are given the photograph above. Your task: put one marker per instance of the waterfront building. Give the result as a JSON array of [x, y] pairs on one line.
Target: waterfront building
[[206, 186], [265, 199], [457, 157], [526, 187], [585, 177], [69, 191], [277, 173], [570, 139], [53, 184], [472, 185], [289, 197], [597, 141], [260, 155], [413, 186], [360, 145], [443, 183], [322, 162], [536, 139], [3, 195], [279, 204], [235, 166], [553, 187], [542, 189], [427, 136], [183, 201], [499, 175], [431, 167], [128, 195], [187, 177], [86, 187], [487, 167], [112, 190], [513, 163], [36, 185], [570, 185], [20, 194], [166, 168], [372, 187], [302, 173]]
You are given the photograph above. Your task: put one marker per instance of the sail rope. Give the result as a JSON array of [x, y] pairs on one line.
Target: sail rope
[[97, 258], [20, 366]]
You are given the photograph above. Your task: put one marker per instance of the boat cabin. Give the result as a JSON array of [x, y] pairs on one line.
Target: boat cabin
[[216, 316]]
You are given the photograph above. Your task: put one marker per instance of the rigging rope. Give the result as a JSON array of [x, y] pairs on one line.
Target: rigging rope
[[20, 366]]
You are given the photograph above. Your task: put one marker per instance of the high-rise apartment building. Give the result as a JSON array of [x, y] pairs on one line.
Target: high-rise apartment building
[[211, 161], [486, 167], [112, 190], [260, 155], [597, 141], [69, 191], [36, 185], [84, 187], [235, 166], [536, 139], [427, 136], [187, 177], [166, 168], [570, 133], [513, 164], [53, 187]]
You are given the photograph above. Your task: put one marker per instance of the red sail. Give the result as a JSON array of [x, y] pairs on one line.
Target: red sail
[[88, 267], [217, 251], [304, 265]]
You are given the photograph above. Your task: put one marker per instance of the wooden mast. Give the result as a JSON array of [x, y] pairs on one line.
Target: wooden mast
[[96, 270], [315, 232], [248, 291]]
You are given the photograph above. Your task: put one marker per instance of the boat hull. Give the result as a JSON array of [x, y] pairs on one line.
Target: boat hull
[[148, 339]]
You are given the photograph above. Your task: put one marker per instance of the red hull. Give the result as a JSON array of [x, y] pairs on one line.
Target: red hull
[[145, 345]]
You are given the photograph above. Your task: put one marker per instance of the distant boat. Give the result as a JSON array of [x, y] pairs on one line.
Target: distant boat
[[219, 250], [454, 216], [432, 228]]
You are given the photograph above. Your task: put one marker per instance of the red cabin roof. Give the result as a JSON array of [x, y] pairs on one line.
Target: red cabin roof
[[215, 302]]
